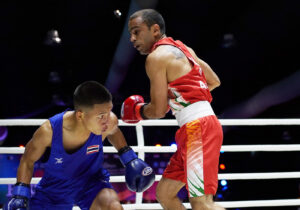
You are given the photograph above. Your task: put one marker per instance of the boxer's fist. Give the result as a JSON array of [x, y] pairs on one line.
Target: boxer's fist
[[131, 107], [20, 197], [139, 175]]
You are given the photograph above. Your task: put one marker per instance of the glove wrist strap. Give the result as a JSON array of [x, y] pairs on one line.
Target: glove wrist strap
[[21, 189], [22, 184], [139, 110], [126, 155], [123, 150]]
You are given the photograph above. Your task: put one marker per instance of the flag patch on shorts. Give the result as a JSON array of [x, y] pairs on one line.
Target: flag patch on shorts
[[92, 149]]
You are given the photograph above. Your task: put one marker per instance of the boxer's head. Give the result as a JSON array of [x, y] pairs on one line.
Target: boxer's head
[[93, 104], [146, 27]]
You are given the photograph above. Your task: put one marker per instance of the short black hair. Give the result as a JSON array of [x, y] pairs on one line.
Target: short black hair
[[89, 93], [150, 17]]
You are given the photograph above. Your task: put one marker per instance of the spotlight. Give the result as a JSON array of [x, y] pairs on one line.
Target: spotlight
[[222, 166], [54, 77], [229, 41], [220, 196], [224, 188], [117, 13], [52, 38], [155, 164], [174, 145], [223, 182]]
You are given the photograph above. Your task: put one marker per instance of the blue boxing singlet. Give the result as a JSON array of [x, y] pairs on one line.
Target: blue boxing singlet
[[66, 175]]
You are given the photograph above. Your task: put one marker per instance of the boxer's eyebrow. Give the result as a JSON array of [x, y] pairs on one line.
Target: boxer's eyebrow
[[134, 27]]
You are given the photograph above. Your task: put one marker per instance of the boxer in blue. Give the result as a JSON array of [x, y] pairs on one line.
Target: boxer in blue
[[73, 172]]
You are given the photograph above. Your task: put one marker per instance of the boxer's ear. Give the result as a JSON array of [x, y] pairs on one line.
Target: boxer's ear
[[155, 29], [79, 115]]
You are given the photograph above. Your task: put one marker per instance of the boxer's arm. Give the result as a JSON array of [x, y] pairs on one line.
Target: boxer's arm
[[114, 134], [156, 71], [34, 149], [212, 78]]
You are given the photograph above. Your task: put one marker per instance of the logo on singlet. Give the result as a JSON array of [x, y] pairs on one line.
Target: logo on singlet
[[92, 149], [58, 160], [203, 85], [147, 171]]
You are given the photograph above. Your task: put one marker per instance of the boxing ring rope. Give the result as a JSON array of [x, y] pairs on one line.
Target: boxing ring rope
[[224, 122], [141, 149]]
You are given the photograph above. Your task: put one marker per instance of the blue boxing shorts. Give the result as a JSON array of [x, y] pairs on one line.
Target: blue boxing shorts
[[84, 198]]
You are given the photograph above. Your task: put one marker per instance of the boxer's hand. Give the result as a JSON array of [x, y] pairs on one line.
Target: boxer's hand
[[139, 175], [131, 109], [20, 197]]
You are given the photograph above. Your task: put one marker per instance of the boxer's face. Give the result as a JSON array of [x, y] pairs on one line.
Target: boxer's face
[[141, 36], [97, 118]]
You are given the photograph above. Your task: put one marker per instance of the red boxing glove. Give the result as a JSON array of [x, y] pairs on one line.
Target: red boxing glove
[[131, 109]]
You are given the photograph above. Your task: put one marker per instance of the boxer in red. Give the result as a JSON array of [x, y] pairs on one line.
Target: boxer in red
[[181, 81]]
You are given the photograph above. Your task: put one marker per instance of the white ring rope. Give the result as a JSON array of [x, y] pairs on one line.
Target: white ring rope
[[230, 122], [171, 149], [229, 176], [226, 204], [141, 149]]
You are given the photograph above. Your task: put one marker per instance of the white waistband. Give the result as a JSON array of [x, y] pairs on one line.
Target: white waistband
[[193, 112]]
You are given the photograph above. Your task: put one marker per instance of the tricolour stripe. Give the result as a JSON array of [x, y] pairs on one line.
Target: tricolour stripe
[[194, 161]]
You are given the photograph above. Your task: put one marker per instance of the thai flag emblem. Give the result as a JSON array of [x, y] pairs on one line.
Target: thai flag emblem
[[92, 149]]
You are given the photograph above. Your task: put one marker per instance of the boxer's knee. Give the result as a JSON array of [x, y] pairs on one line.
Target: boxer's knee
[[107, 199], [167, 189]]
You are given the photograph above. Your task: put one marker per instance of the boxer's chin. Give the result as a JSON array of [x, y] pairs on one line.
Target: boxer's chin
[[104, 128]]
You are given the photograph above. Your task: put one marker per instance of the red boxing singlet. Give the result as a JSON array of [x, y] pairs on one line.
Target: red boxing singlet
[[189, 88]]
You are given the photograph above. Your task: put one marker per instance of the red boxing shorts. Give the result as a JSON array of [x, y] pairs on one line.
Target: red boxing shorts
[[196, 160]]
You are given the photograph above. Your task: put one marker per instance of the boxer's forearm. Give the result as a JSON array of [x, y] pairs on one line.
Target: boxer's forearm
[[117, 139], [25, 172], [151, 111]]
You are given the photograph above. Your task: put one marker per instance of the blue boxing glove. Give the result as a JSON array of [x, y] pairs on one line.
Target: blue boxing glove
[[139, 175], [20, 197]]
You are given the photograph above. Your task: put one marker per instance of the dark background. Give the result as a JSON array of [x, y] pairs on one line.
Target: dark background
[[253, 46]]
